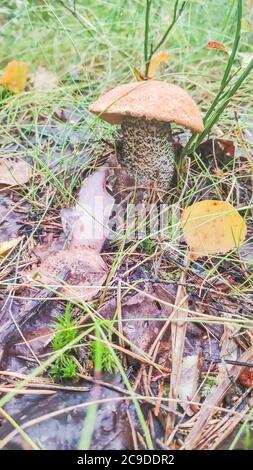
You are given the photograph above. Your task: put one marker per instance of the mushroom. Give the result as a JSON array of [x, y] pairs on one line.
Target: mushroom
[[145, 110]]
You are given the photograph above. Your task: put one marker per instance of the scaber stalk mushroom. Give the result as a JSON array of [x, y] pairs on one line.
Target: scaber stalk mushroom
[[145, 111]]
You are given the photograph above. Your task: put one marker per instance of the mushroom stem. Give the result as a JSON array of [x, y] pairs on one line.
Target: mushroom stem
[[147, 152]]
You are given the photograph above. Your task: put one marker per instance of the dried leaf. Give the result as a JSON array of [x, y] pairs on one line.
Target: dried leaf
[[87, 227], [38, 339], [15, 76], [138, 75], [87, 223], [14, 172], [8, 245], [212, 227], [227, 146], [156, 60], [217, 45], [31, 315], [189, 381], [10, 220], [246, 377], [86, 273], [223, 150], [142, 314], [44, 80]]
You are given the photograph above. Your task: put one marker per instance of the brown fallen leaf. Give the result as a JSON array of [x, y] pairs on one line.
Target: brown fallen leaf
[[87, 223], [15, 76], [38, 340], [86, 227], [87, 273], [217, 45], [143, 316], [227, 146], [14, 172], [246, 377], [10, 219]]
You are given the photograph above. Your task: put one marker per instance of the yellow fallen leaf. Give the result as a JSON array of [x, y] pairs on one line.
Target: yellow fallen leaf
[[138, 75], [156, 60], [8, 245], [14, 172], [212, 227], [15, 76]]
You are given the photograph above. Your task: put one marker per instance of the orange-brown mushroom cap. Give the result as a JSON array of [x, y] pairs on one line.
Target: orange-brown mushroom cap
[[151, 100]]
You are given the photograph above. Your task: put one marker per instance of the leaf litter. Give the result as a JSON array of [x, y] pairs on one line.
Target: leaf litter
[[14, 172], [144, 326], [10, 219], [186, 317], [85, 227]]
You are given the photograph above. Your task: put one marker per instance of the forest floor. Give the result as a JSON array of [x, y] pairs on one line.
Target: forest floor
[[86, 354]]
